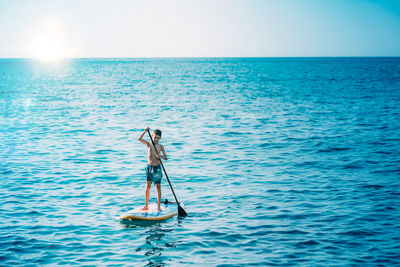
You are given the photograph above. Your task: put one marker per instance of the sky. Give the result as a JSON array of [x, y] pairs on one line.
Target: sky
[[198, 28]]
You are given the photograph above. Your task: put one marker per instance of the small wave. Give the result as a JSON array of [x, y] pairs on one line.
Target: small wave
[[177, 144], [258, 227], [292, 232], [307, 243], [306, 164], [273, 191], [272, 145], [78, 131], [104, 151], [387, 171], [234, 133], [296, 191], [333, 149], [352, 166], [359, 233], [374, 186]]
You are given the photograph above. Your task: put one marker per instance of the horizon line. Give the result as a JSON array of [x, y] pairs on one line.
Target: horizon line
[[200, 57]]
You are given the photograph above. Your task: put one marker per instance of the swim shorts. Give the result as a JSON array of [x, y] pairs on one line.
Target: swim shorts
[[154, 174]]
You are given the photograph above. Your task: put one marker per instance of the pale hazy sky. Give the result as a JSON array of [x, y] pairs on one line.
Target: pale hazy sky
[[202, 28]]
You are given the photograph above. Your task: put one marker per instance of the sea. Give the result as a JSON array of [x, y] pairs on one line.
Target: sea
[[278, 161]]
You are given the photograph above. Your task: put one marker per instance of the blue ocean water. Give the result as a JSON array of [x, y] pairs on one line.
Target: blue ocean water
[[279, 161]]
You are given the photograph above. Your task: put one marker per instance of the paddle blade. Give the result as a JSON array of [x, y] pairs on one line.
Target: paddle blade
[[181, 211]]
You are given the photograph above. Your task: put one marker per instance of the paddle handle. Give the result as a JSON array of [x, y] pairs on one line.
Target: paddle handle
[[162, 165]]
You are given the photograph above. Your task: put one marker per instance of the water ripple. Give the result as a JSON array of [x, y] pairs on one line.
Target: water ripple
[[279, 162]]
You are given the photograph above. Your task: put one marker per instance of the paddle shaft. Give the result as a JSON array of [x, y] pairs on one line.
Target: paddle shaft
[[162, 165]]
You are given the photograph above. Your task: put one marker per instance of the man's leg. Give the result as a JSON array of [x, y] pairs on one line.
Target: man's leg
[[158, 187], [147, 195]]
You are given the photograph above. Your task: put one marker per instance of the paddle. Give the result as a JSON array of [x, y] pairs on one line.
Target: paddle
[[181, 211]]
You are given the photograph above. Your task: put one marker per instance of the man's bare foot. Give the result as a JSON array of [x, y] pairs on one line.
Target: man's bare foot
[[159, 209], [145, 208]]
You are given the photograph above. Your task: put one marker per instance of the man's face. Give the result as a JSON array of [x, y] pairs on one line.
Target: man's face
[[156, 138]]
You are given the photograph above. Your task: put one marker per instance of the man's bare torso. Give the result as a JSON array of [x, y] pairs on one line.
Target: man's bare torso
[[152, 155]]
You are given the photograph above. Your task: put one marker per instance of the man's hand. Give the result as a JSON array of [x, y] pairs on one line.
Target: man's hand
[[141, 137]]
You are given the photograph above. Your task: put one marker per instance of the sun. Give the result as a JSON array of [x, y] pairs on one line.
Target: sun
[[47, 49], [49, 43]]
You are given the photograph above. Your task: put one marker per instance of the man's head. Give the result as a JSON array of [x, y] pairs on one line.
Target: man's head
[[156, 135]]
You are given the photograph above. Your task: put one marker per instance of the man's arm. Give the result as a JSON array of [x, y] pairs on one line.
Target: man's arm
[[141, 137], [163, 151]]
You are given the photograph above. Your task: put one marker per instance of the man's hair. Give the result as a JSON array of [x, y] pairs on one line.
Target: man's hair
[[157, 132]]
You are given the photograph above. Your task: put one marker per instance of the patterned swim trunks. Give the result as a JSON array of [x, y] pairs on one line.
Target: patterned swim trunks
[[154, 174]]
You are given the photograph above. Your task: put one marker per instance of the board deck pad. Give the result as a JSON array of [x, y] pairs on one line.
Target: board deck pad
[[137, 214]]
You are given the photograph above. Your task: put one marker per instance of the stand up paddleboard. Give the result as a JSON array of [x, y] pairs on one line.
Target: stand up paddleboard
[[152, 214]]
